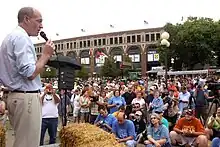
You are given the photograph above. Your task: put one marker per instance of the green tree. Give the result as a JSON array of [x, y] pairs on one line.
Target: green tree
[[83, 73], [196, 41], [127, 69], [109, 68], [49, 72]]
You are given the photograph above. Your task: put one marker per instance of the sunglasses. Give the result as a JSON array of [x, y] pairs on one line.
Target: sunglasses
[[153, 118], [189, 112]]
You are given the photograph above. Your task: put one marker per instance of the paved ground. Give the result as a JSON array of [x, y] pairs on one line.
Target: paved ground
[[10, 139]]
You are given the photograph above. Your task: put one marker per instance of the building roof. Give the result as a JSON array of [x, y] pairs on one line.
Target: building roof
[[158, 29]]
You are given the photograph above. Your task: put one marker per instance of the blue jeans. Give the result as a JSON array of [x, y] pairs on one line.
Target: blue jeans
[[216, 142], [131, 143], [50, 124], [167, 144]]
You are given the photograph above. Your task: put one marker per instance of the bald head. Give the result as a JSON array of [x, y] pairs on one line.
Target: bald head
[[30, 20], [23, 12], [121, 117]]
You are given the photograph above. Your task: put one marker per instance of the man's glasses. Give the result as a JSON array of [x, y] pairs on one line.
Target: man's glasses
[[189, 112], [153, 118]]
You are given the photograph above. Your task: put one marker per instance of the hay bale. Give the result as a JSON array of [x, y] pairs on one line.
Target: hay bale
[[2, 136], [86, 135]]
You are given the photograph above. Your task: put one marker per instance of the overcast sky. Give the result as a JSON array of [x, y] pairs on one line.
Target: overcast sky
[[68, 17]]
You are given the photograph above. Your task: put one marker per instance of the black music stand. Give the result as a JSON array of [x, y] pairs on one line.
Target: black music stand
[[66, 73]]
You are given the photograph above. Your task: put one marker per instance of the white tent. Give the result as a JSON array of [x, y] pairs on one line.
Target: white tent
[[190, 72]]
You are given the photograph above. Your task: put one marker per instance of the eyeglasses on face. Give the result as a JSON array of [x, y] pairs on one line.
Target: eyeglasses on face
[[153, 118]]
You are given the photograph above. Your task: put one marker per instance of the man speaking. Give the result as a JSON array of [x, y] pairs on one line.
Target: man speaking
[[20, 74]]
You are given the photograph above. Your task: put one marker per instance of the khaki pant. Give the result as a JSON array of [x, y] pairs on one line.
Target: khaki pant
[[25, 117]]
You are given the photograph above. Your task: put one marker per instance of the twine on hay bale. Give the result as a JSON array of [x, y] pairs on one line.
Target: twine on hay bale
[[87, 135], [2, 136]]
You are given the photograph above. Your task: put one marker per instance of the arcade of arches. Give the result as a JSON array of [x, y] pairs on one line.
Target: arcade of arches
[[139, 55]]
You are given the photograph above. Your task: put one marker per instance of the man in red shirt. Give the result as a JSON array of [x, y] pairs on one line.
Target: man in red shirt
[[189, 131]]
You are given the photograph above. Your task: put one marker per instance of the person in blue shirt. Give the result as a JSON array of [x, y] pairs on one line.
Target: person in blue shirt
[[124, 130], [115, 102], [157, 102], [157, 134], [104, 120], [216, 142], [163, 120]]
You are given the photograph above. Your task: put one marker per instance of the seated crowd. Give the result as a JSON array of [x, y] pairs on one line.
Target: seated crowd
[[156, 120], [159, 118]]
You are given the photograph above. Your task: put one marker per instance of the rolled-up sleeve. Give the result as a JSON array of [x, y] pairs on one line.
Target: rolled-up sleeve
[[25, 56]]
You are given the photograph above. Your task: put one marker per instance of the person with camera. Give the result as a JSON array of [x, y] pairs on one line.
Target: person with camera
[[96, 101], [104, 120], [201, 102], [50, 101], [171, 113], [213, 125]]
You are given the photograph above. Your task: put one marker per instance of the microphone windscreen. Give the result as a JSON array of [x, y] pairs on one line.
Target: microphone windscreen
[[43, 35]]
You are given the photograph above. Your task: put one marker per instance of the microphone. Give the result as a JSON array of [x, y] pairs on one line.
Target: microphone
[[43, 35]]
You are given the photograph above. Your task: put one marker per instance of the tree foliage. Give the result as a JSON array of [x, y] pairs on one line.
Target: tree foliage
[[196, 41], [83, 73], [109, 68], [49, 73], [127, 69]]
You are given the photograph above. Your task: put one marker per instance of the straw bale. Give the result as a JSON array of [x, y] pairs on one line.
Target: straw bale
[[86, 135], [2, 136]]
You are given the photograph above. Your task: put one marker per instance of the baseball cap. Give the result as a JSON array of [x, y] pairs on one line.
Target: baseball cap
[[138, 113]]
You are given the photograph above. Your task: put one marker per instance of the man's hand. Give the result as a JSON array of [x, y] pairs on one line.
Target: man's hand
[[46, 91], [48, 48], [119, 140], [212, 118], [157, 144], [53, 91], [187, 133], [147, 142], [98, 123]]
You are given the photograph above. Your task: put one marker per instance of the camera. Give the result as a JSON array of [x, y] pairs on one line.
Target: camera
[[214, 115], [94, 98], [214, 87]]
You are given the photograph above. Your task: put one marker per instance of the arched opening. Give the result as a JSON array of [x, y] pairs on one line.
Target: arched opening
[[117, 53], [71, 54], [85, 57], [99, 58], [134, 52], [153, 57]]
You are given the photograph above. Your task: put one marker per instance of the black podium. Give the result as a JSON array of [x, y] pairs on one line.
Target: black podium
[[66, 73]]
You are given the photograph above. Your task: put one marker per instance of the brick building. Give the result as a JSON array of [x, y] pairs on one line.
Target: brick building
[[140, 45]]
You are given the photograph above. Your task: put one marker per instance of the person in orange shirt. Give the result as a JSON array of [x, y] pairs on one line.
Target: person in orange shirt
[[189, 131]]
